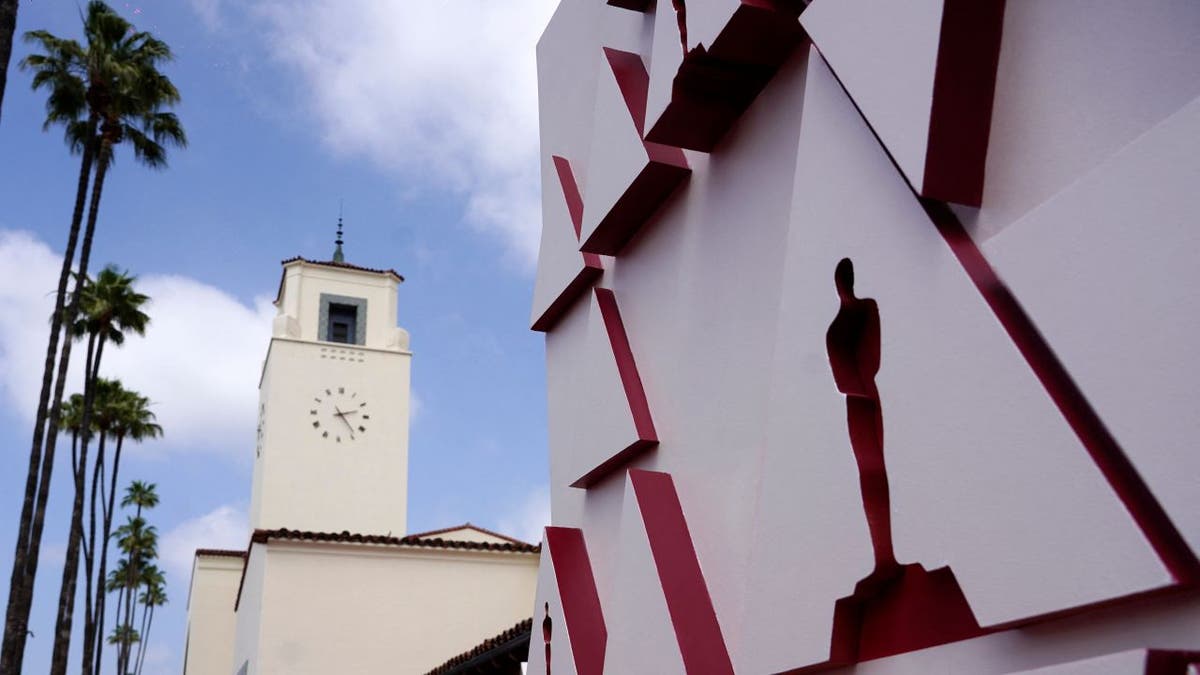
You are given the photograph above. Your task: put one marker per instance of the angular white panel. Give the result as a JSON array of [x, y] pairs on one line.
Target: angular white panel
[[1062, 106], [562, 659], [560, 264], [617, 153], [885, 53], [642, 639], [985, 474], [1108, 271], [591, 418], [568, 66]]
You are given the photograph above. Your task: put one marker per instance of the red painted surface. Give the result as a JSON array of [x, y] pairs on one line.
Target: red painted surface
[[963, 88], [592, 267], [665, 169], [635, 5], [580, 602], [692, 615], [635, 395], [1162, 662], [716, 83]]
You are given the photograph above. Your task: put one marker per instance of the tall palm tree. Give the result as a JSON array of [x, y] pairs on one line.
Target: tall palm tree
[[137, 424], [155, 595], [8, 25], [104, 94], [110, 308], [109, 399], [139, 542], [123, 636]]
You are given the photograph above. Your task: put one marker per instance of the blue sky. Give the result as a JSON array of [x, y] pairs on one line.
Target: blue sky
[[421, 117]]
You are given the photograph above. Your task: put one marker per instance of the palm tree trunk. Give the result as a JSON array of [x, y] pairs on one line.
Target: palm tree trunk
[[89, 614], [29, 531], [130, 600], [142, 632], [145, 639], [98, 631], [8, 25], [66, 596]]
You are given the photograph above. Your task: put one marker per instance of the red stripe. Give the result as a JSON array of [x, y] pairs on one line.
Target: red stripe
[[626, 367], [692, 616], [580, 601], [634, 82], [566, 179], [964, 85]]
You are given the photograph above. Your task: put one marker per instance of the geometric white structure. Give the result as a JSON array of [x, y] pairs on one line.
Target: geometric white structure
[[973, 457]]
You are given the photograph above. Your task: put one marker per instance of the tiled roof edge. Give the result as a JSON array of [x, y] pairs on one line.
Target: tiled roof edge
[[262, 536], [471, 526], [507, 640], [219, 553], [345, 266]]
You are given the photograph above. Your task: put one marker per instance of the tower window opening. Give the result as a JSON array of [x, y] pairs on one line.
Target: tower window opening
[[343, 323]]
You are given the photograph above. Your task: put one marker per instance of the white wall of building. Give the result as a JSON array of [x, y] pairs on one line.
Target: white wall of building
[[360, 608], [210, 631]]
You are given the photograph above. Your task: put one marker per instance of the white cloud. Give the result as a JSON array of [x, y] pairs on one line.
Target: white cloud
[[224, 527], [443, 92], [199, 361], [527, 519]]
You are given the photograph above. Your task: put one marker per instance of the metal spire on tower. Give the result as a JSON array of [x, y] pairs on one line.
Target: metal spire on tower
[[338, 256]]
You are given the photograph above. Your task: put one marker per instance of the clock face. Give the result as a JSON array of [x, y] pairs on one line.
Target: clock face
[[339, 415]]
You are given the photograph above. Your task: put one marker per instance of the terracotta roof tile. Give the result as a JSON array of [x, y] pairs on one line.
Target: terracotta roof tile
[[469, 526], [345, 266], [219, 553], [262, 536], [511, 644]]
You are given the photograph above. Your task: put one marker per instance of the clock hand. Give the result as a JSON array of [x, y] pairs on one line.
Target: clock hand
[[345, 421]]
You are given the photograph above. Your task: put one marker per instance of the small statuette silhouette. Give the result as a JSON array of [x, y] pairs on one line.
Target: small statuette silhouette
[[895, 608], [853, 343], [547, 630]]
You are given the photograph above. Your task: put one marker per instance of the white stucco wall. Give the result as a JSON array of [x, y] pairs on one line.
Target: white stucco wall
[[303, 478], [353, 608], [210, 631]]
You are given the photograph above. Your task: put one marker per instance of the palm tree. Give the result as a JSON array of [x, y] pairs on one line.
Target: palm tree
[[122, 637], [155, 595], [8, 24], [108, 402], [110, 308], [139, 542], [137, 423], [72, 423], [104, 94]]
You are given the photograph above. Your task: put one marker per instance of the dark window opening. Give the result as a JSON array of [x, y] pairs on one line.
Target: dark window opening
[[343, 323]]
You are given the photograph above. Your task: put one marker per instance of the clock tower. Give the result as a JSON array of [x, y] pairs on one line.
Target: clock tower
[[332, 448]]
